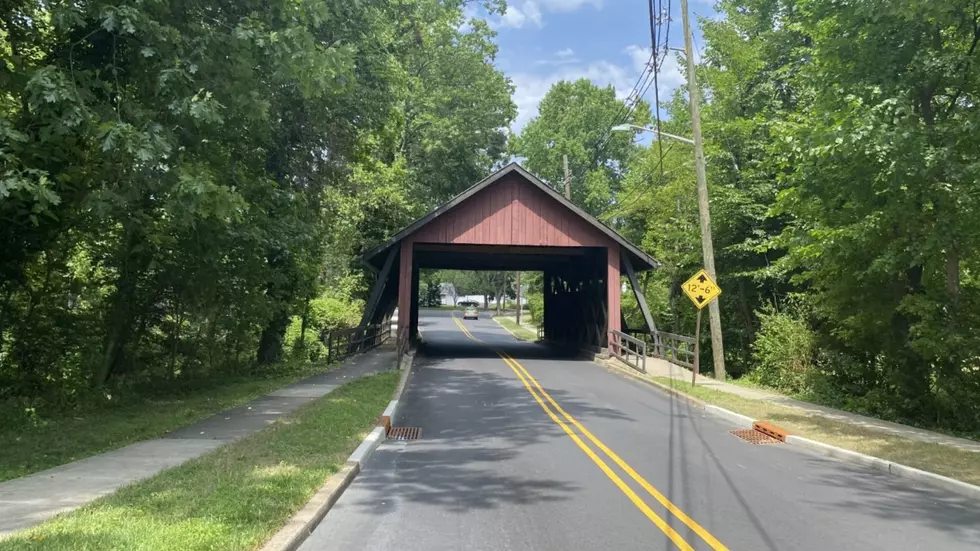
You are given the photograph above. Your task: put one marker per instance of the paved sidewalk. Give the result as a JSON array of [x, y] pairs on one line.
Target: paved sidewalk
[[662, 368], [33, 499]]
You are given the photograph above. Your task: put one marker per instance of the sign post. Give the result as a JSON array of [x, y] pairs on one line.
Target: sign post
[[701, 289]]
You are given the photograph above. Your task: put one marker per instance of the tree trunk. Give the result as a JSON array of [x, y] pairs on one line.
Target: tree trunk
[[121, 310], [270, 344], [178, 321], [305, 323]]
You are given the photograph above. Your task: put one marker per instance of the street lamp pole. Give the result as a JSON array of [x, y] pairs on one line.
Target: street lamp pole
[[707, 248]]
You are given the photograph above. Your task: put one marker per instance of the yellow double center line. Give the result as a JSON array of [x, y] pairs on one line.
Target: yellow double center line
[[537, 392]]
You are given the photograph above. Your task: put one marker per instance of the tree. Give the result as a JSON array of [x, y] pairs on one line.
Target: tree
[[180, 187], [575, 119]]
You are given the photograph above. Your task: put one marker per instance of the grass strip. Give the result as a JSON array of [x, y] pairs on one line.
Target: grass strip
[[936, 458], [57, 441], [233, 498], [519, 331]]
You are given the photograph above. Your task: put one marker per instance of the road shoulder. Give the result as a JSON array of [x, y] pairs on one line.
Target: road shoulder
[[948, 467]]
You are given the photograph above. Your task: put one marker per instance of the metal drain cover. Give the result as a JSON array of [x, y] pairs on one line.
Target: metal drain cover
[[753, 436], [404, 433]]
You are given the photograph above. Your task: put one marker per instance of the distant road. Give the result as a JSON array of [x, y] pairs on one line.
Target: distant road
[[523, 449]]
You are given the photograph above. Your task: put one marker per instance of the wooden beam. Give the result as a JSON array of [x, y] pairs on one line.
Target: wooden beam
[[651, 327], [379, 286]]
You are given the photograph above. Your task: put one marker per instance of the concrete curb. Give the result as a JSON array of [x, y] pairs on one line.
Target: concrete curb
[[888, 467], [298, 528], [505, 329], [291, 536], [736, 418], [868, 461], [614, 364]]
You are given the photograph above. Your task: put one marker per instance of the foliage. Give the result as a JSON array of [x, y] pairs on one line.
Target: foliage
[[841, 168], [179, 187], [535, 304], [783, 351], [489, 284], [35, 443], [574, 119]]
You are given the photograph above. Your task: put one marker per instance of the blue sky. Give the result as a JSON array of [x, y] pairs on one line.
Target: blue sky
[[606, 41]]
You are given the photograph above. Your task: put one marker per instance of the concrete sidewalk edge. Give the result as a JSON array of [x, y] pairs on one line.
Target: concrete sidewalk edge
[[875, 463], [291, 536]]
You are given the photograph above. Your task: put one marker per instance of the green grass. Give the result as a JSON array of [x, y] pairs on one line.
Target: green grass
[[57, 441], [518, 331], [233, 498], [945, 460]]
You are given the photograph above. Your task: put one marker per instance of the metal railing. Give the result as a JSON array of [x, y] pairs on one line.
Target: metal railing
[[343, 343], [676, 349], [541, 332], [631, 350]]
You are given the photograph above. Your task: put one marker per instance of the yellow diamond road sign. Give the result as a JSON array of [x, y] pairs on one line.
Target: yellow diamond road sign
[[701, 289]]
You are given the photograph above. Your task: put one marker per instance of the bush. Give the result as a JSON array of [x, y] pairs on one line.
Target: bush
[[535, 303], [328, 312], [784, 351]]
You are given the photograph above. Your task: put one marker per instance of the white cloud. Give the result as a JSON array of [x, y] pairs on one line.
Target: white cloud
[[516, 17], [567, 52], [530, 88], [530, 11], [671, 73]]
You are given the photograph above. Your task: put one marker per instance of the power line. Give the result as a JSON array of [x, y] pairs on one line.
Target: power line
[[647, 78]]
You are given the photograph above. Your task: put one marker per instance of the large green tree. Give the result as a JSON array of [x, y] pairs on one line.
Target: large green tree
[[574, 120], [177, 184]]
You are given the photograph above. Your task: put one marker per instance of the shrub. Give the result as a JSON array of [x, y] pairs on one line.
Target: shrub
[[784, 351], [328, 312], [535, 303]]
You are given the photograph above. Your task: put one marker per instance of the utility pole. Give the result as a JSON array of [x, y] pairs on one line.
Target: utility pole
[[568, 178], [518, 298], [707, 248]]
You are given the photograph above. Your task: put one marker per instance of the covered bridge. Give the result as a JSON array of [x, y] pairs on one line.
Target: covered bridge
[[513, 221]]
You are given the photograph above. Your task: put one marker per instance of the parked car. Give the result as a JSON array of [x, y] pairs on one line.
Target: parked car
[[471, 314]]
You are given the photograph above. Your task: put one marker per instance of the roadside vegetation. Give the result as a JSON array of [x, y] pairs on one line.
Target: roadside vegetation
[[844, 185], [945, 460], [234, 498], [184, 194], [519, 331], [144, 414]]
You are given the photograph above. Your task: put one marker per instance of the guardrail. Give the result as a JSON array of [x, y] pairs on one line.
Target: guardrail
[[343, 343], [676, 349], [631, 350]]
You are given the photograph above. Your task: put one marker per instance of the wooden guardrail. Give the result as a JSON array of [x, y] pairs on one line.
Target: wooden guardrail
[[631, 350], [342, 343], [676, 349]]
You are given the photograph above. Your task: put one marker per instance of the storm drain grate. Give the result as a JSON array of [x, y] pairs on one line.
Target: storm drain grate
[[404, 433], [753, 436]]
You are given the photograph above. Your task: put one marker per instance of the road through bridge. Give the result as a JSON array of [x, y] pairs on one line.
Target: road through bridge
[[526, 447]]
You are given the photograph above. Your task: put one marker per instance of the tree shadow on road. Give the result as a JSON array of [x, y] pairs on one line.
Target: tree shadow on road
[[898, 499], [474, 422]]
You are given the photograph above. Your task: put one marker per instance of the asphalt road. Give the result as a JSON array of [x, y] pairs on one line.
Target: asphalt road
[[550, 452]]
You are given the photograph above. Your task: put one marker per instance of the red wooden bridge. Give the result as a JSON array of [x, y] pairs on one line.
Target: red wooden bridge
[[514, 221]]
